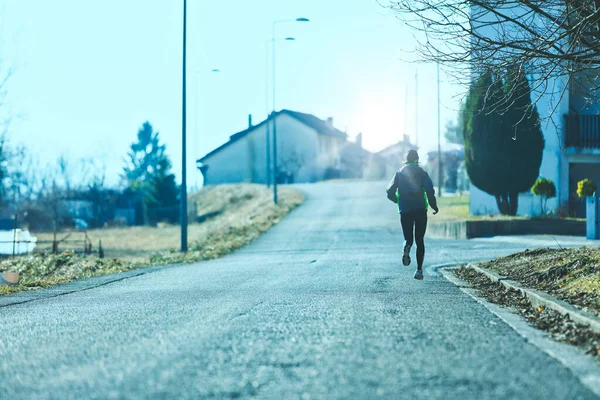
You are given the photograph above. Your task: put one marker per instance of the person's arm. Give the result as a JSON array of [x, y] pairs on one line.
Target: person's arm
[[430, 191], [391, 189]]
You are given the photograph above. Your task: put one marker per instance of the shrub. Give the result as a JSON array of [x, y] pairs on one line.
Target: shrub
[[545, 189], [586, 188]]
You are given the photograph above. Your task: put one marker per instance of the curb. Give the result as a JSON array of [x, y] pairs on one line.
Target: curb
[[539, 298]]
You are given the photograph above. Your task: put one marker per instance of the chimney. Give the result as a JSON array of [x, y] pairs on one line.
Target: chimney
[[407, 139], [359, 138], [330, 121], [249, 121]]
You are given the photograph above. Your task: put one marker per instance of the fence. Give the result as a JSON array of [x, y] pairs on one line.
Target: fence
[[82, 245], [18, 238]]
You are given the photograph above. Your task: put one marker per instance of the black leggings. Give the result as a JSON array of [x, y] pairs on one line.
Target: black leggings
[[414, 225]]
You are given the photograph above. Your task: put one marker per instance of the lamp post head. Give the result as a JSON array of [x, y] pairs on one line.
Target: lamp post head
[[290, 38], [302, 20], [216, 70]]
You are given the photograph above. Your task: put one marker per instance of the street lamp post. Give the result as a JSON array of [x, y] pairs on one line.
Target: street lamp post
[[275, 172], [268, 125], [268, 133], [440, 174], [183, 194]]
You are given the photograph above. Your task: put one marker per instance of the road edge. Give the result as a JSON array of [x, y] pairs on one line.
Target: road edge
[[584, 367], [539, 298], [74, 286]]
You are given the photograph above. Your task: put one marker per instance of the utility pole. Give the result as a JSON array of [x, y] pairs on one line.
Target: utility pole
[[405, 134], [274, 115], [417, 109], [274, 123], [267, 125], [196, 129], [183, 194], [440, 175]]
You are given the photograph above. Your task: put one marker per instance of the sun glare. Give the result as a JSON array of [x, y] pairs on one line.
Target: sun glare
[[382, 123]]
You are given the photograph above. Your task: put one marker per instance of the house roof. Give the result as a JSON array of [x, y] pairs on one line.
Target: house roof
[[320, 126], [397, 149]]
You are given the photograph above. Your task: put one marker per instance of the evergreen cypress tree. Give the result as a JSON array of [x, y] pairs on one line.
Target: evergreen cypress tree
[[503, 139], [525, 144], [481, 129], [163, 193]]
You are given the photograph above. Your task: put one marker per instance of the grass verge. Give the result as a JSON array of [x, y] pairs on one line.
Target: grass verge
[[452, 208], [237, 215], [571, 275]]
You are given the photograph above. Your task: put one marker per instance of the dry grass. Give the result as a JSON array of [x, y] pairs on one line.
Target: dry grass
[[239, 205], [572, 275], [452, 208], [44, 270], [244, 213]]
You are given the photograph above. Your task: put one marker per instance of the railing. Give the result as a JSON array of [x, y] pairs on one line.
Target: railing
[[582, 131]]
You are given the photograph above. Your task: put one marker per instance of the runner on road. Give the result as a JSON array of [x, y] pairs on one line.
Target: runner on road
[[412, 189]]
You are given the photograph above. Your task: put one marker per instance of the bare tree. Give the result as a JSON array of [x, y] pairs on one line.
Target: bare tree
[[93, 171], [548, 39], [5, 118], [65, 172]]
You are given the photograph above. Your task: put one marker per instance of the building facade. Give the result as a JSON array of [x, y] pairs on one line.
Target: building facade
[[308, 150], [570, 124]]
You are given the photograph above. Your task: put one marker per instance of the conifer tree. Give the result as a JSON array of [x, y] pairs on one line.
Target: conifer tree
[[503, 139], [148, 172]]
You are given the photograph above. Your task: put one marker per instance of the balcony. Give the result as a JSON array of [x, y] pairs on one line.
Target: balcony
[[583, 131]]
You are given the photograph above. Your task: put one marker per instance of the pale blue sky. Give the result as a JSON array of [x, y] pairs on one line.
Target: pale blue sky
[[89, 73]]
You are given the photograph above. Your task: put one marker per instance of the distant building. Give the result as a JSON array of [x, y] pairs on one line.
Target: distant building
[[454, 176], [394, 156], [308, 150]]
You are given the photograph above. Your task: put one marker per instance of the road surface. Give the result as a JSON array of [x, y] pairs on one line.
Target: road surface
[[320, 307]]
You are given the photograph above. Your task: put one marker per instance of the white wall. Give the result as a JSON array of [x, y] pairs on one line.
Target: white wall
[[246, 159], [229, 165], [482, 203], [296, 140], [552, 108]]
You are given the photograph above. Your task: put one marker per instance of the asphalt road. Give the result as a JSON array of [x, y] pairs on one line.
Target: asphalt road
[[319, 307]]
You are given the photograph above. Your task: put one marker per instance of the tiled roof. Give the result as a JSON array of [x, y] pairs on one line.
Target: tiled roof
[[320, 126]]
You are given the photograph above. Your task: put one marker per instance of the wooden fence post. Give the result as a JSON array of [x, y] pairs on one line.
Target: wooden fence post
[[14, 234]]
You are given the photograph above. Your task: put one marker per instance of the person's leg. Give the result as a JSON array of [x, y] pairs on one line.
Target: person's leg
[[407, 221], [420, 228]]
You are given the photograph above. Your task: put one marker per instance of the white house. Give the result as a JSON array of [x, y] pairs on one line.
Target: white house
[[394, 156], [308, 150], [571, 129]]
